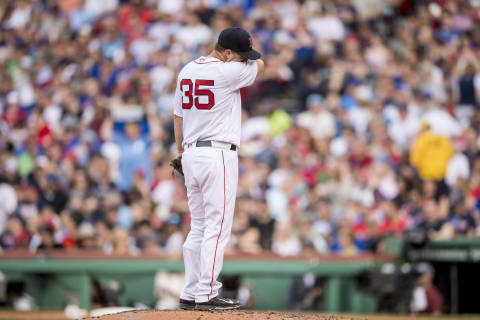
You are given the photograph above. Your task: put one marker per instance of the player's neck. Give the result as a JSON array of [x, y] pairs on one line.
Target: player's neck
[[216, 55]]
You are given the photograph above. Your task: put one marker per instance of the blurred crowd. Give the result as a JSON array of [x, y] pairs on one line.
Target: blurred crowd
[[365, 124]]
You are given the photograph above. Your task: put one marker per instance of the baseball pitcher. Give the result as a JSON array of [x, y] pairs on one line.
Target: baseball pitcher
[[207, 125]]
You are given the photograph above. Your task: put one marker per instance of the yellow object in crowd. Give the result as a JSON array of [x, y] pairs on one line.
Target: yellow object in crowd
[[430, 154]]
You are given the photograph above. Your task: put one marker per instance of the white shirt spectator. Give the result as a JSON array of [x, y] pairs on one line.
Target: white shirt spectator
[[161, 77], [327, 28], [194, 35], [377, 56], [174, 244], [364, 196], [20, 17], [288, 10], [163, 193], [320, 124], [442, 123], [359, 118], [403, 131], [141, 50], [321, 230], [160, 33], [170, 7], [434, 83], [288, 247], [255, 127], [458, 168], [96, 7], [388, 187], [419, 300], [277, 201], [319, 121], [8, 203], [339, 147]]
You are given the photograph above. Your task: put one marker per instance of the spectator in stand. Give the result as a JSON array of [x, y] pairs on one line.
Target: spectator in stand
[[47, 239], [426, 298], [319, 121], [466, 87], [430, 154], [462, 219]]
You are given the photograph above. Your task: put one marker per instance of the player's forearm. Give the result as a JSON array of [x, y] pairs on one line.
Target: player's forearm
[[178, 130], [260, 66]]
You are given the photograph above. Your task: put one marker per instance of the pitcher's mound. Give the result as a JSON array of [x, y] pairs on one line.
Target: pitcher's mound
[[214, 315]]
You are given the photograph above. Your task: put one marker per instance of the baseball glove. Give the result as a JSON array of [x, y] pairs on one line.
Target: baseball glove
[[176, 164]]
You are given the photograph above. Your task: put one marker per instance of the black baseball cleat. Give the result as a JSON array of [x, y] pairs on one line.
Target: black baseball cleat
[[187, 304], [218, 303]]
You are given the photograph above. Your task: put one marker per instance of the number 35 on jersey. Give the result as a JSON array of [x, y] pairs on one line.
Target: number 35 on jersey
[[197, 93]]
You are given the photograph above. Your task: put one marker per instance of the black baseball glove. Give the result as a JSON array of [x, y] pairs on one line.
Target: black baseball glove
[[176, 164]]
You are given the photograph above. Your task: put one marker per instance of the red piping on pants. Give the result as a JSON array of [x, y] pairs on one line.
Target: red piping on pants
[[221, 226]]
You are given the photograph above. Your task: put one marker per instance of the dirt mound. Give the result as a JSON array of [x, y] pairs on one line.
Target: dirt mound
[[226, 315], [256, 315], [216, 315]]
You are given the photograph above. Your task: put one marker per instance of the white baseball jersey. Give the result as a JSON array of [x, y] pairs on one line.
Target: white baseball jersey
[[208, 99]]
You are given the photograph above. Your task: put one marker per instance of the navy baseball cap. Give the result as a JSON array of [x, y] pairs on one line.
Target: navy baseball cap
[[239, 41]]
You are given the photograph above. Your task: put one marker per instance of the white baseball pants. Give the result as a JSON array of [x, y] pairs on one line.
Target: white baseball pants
[[211, 178]]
